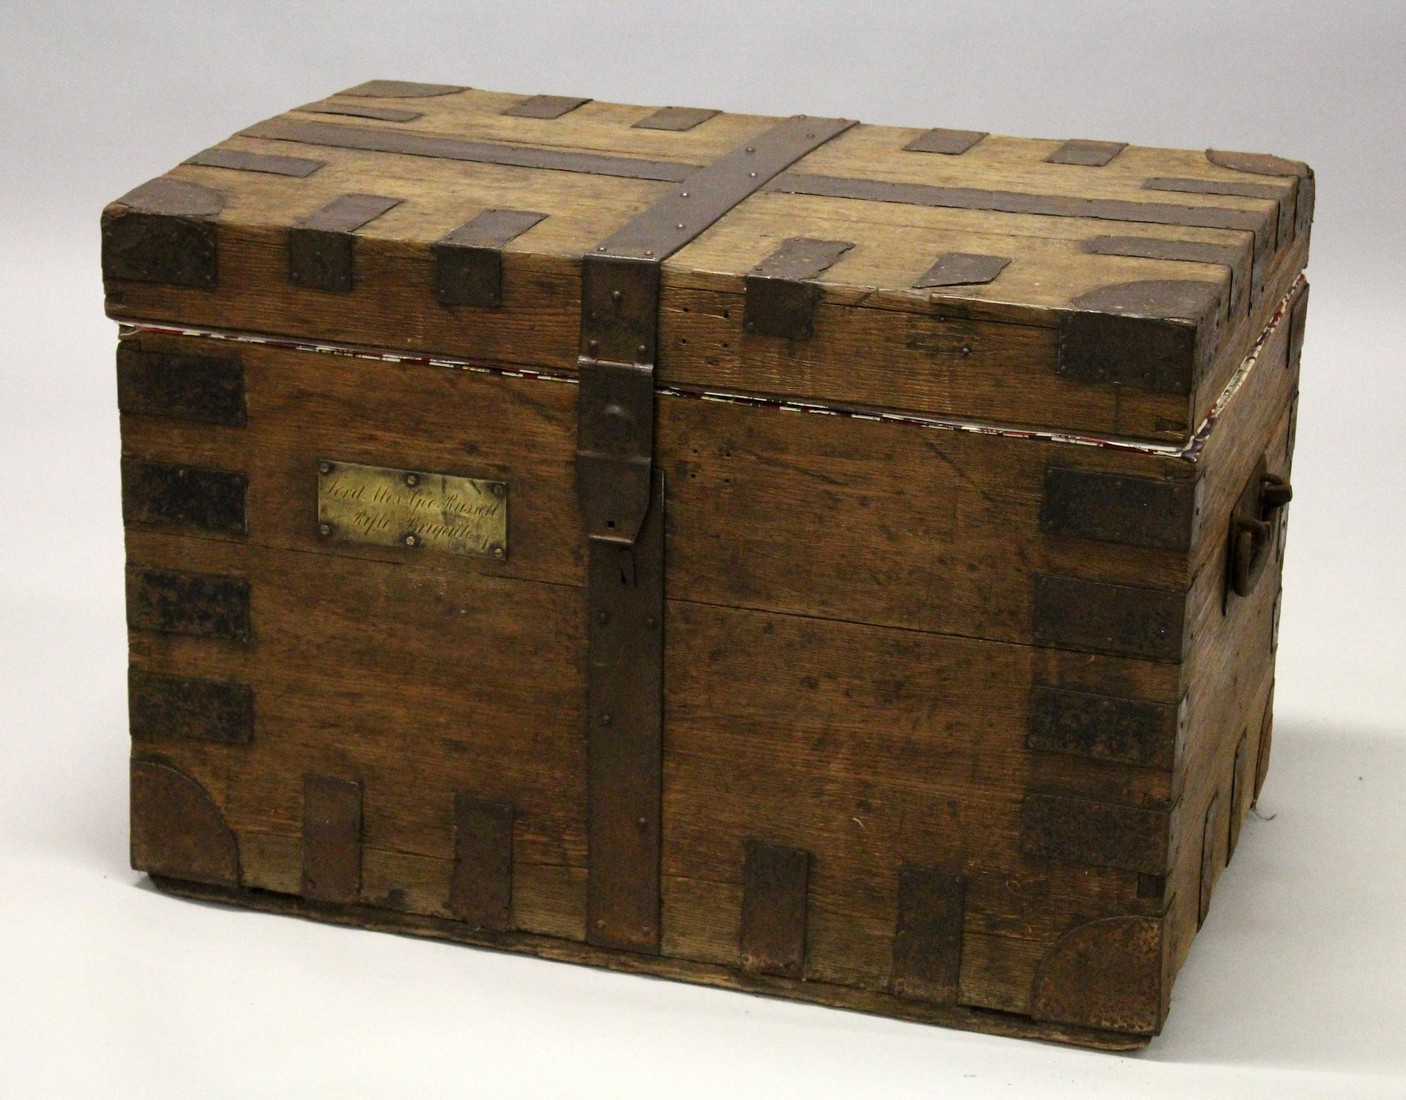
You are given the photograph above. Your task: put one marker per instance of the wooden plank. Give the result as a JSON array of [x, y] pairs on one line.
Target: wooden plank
[[997, 971], [595, 126], [816, 992], [342, 693], [1021, 203], [742, 733], [548, 899], [938, 357], [436, 195], [1241, 784], [535, 326], [748, 489]]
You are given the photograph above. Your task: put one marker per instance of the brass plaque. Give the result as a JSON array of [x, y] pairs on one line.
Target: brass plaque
[[412, 508]]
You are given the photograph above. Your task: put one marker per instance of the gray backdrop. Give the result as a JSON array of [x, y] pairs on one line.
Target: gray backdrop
[[1294, 987]]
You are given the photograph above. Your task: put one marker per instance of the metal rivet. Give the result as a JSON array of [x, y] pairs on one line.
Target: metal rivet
[[600, 248], [600, 924], [683, 194], [641, 350], [750, 326], [605, 719], [593, 346], [496, 550], [412, 480], [499, 488], [679, 226], [751, 148], [325, 467], [616, 296], [296, 277], [650, 622], [602, 616], [753, 175], [411, 540], [642, 823], [649, 252], [324, 529]]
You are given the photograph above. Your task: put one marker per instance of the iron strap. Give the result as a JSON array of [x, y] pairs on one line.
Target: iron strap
[[621, 498], [411, 143]]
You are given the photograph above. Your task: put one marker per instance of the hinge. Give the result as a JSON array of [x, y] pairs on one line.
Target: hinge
[[615, 411]]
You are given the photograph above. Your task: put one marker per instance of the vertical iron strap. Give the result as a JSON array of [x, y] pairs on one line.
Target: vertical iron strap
[[621, 498]]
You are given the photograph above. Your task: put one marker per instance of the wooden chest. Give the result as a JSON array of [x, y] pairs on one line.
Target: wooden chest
[[827, 560]]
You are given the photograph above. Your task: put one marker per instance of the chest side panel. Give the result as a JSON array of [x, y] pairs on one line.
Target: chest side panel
[[1229, 672]]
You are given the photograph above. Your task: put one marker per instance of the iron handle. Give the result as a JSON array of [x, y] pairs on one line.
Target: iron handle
[[1252, 535]]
